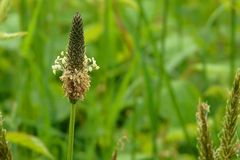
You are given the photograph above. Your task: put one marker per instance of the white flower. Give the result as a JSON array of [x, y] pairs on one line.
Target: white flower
[[60, 63], [92, 65]]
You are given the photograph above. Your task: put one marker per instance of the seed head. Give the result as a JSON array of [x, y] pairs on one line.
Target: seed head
[[205, 146], [74, 63], [228, 138], [76, 46]]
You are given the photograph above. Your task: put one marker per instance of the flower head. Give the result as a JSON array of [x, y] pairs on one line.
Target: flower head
[[76, 45], [74, 63]]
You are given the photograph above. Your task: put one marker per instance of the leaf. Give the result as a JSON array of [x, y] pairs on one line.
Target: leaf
[[215, 15], [130, 3], [30, 142], [214, 71], [176, 135], [187, 97], [178, 52], [4, 6], [12, 35], [93, 32]]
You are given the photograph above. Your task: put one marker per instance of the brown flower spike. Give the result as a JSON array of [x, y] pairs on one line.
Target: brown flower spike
[[76, 45], [75, 64]]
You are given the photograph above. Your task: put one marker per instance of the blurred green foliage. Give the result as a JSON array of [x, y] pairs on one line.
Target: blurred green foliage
[[157, 59]]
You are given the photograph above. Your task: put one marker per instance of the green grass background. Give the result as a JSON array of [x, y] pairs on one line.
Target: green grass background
[[158, 58]]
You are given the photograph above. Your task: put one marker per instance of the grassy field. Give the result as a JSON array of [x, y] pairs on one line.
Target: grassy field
[[157, 59]]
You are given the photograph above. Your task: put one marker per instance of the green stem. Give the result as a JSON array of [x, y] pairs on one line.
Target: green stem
[[232, 40], [163, 74], [178, 9], [152, 108], [71, 133]]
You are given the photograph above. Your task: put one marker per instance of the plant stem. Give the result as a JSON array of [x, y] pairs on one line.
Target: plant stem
[[178, 10], [152, 108], [71, 132], [232, 40], [162, 70]]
